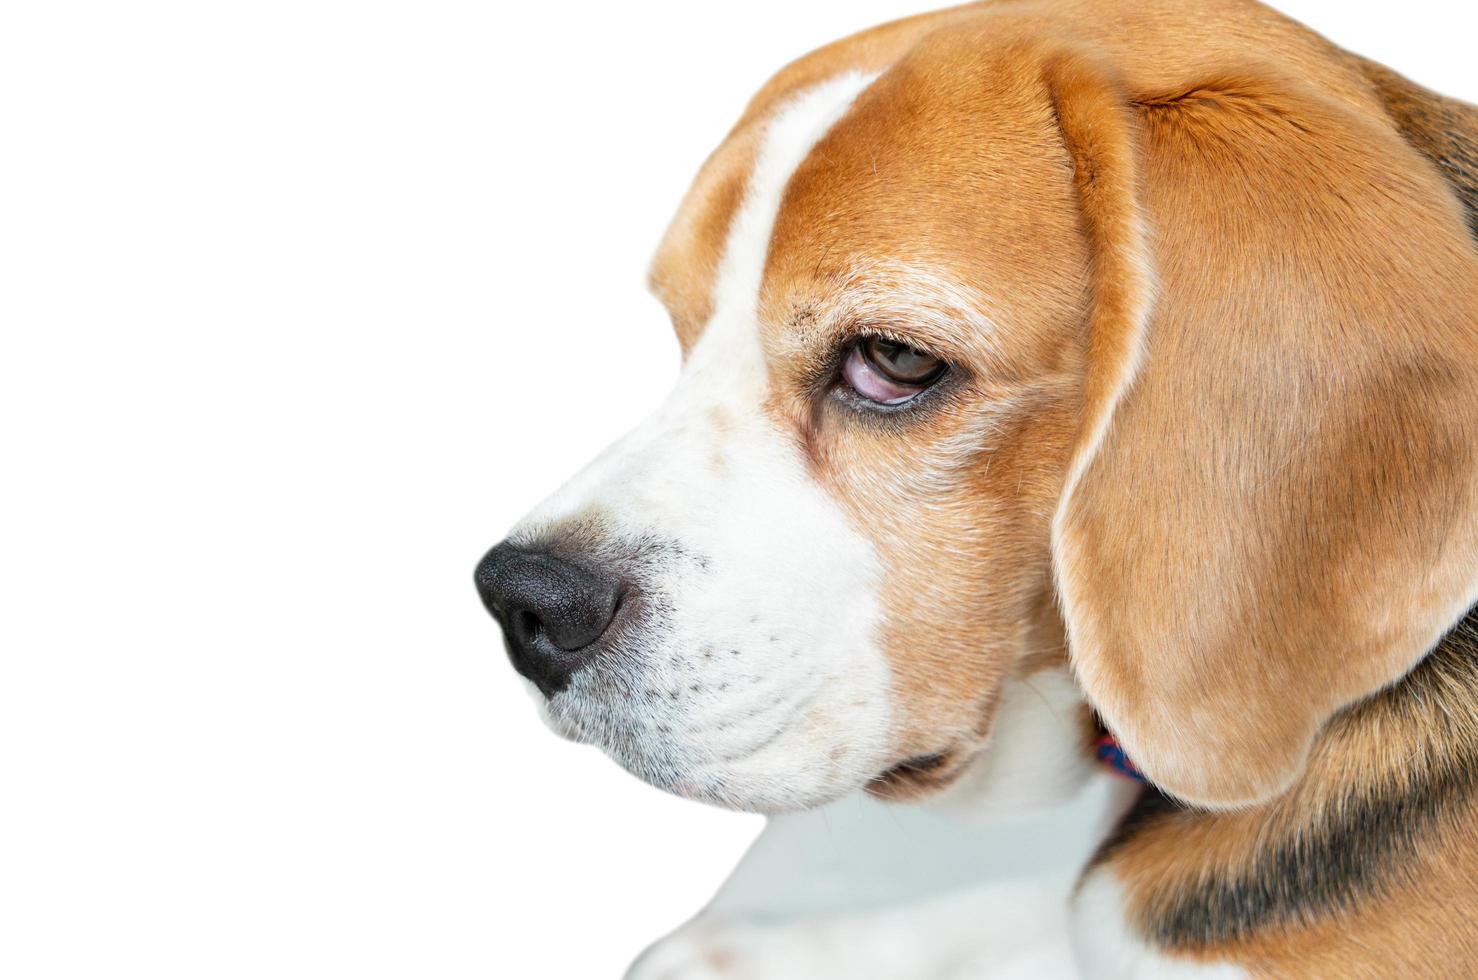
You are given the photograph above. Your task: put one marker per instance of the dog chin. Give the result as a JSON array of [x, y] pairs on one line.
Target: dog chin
[[773, 790], [791, 768]]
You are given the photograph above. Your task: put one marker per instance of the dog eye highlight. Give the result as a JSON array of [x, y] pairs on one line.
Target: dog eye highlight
[[888, 372]]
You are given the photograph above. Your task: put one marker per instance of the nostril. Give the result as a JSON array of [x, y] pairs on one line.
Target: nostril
[[526, 624]]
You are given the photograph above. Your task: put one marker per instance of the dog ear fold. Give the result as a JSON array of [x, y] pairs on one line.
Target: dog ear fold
[[1272, 506]]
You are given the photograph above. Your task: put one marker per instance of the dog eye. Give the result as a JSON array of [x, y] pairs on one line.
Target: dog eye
[[888, 372]]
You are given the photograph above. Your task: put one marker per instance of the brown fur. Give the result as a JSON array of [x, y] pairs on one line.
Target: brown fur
[[1443, 130], [1210, 297]]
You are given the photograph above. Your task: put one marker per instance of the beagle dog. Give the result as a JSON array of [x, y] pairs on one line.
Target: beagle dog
[[1062, 378]]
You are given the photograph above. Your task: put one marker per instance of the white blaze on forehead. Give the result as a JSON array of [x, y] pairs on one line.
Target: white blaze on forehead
[[730, 343], [789, 139], [757, 680]]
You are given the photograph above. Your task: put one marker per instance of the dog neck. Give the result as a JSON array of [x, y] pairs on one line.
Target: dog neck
[[1389, 792]]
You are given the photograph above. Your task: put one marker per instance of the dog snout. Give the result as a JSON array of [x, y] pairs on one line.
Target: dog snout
[[553, 611]]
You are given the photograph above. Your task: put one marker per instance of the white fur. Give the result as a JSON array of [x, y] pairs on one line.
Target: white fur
[[1107, 948], [864, 889], [755, 678], [1035, 757], [1005, 930], [978, 883]]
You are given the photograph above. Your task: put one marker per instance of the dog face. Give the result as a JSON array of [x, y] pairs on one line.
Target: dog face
[[832, 539], [913, 290]]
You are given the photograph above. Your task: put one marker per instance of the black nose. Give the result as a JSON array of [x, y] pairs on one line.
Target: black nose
[[551, 610]]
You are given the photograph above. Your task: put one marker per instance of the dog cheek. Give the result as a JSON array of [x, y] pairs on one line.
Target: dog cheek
[[960, 521]]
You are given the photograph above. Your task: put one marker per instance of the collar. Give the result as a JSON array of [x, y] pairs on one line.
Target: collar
[[1112, 755]]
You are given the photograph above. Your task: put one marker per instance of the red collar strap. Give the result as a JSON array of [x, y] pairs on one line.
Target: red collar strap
[[1111, 754]]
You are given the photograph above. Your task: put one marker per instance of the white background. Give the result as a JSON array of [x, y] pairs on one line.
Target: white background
[[303, 304]]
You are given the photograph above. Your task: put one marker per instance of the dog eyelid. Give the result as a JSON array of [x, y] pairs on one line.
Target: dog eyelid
[[889, 372]]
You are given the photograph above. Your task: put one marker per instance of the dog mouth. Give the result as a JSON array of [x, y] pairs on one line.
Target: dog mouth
[[655, 750], [919, 776]]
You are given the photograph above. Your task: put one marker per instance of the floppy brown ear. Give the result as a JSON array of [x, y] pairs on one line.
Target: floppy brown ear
[[1272, 507]]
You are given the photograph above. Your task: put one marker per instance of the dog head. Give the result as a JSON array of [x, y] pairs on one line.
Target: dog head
[[1002, 339]]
